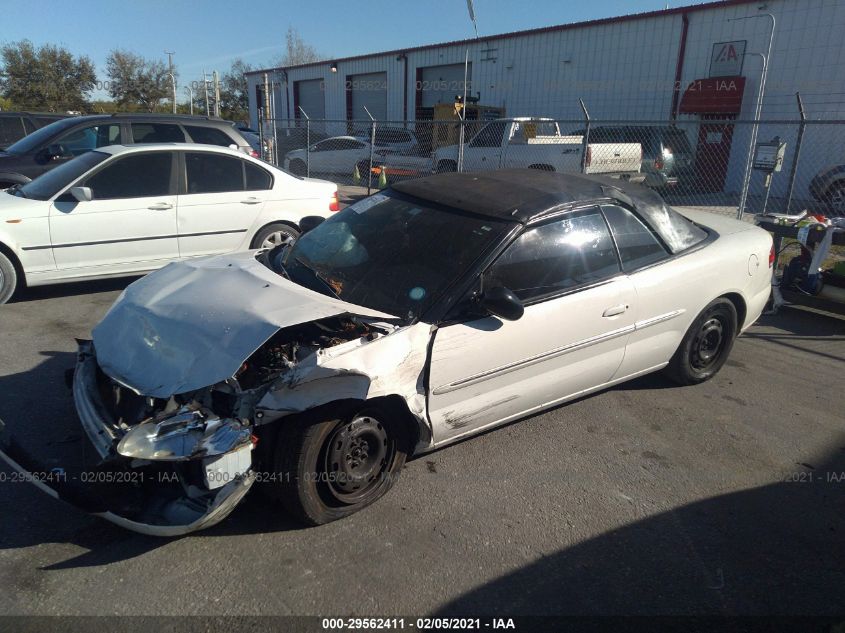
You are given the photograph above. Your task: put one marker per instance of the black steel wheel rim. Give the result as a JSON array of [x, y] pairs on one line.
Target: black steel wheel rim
[[358, 454], [708, 344]]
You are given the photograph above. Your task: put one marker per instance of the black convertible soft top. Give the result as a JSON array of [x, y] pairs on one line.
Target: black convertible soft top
[[523, 195]]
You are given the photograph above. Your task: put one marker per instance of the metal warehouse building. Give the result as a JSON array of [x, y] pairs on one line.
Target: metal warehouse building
[[688, 64]]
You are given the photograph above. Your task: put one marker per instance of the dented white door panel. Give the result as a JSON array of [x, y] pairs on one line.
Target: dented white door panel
[[488, 371]]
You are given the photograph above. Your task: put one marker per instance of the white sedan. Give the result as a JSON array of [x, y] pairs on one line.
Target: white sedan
[[414, 318], [335, 155], [127, 210]]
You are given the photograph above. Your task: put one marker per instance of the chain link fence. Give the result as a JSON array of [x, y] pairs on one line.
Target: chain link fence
[[707, 163]]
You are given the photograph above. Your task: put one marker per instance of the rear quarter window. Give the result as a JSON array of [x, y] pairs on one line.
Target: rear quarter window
[[209, 136]]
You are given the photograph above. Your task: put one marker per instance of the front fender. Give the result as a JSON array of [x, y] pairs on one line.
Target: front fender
[[390, 367]]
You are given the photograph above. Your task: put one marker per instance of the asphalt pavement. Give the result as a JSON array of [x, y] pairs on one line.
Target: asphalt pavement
[[723, 498]]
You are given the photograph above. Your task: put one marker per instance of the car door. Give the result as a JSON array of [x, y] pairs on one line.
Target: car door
[[663, 290], [221, 197], [484, 151], [69, 145], [579, 312], [341, 155], [130, 219]]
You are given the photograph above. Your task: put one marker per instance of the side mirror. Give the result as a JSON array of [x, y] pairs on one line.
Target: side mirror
[[56, 151], [82, 194], [501, 302], [309, 223]]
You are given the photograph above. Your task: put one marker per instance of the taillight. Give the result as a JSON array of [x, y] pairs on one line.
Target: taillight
[[589, 156], [254, 154], [658, 163], [334, 205], [772, 256]]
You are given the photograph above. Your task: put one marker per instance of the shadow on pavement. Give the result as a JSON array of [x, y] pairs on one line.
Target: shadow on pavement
[[776, 549], [71, 289], [37, 409]]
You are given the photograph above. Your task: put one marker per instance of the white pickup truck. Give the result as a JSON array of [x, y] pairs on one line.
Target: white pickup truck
[[537, 143]]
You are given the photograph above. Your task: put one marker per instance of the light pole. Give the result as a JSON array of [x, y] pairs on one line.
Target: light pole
[[172, 77], [461, 139], [758, 110], [190, 98]]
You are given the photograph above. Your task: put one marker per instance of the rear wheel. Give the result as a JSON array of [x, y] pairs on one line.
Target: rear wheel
[[332, 468], [706, 345], [274, 234], [446, 166], [8, 279]]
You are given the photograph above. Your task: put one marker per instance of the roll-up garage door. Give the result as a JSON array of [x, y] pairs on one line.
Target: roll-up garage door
[[367, 91], [311, 97], [441, 84]]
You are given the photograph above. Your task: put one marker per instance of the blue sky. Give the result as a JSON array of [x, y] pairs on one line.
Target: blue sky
[[210, 33]]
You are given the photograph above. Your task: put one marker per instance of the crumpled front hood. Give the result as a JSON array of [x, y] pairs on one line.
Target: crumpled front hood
[[192, 324]]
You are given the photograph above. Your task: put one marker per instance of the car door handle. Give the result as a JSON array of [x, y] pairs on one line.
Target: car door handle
[[615, 310], [160, 206], [250, 200]]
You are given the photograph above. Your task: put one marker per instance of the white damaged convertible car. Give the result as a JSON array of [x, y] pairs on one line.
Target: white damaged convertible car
[[414, 318]]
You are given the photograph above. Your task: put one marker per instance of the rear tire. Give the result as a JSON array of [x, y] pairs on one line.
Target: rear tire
[[273, 234], [706, 345], [334, 467], [8, 278], [446, 166]]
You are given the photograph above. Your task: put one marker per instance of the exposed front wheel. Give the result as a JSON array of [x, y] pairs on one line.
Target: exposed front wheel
[[8, 279], [274, 234], [333, 468], [706, 345]]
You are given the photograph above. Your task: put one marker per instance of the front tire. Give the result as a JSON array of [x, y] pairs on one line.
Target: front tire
[[273, 235], [446, 166], [334, 467], [706, 345], [8, 279]]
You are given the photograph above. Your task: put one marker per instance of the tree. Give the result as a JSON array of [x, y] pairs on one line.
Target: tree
[[297, 51], [234, 96], [136, 82], [45, 78]]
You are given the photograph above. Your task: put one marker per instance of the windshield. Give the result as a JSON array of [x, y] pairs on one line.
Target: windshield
[[40, 137], [48, 185], [391, 254]]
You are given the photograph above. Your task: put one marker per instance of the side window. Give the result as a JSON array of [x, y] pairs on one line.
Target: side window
[[322, 146], [257, 178], [556, 256], [490, 135], [212, 173], [157, 133], [209, 136], [11, 129], [637, 244], [85, 139], [29, 125], [134, 176]]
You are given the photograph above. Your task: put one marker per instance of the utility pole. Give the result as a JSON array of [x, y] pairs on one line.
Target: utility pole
[[205, 92], [216, 94], [170, 55]]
